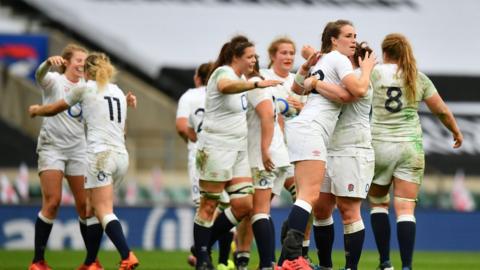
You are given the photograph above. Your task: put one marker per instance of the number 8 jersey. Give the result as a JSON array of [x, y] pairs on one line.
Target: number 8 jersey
[[105, 112], [394, 118]]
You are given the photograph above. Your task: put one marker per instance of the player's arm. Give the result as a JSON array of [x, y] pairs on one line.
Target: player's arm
[[185, 132], [330, 91], [44, 67], [438, 107], [227, 86], [265, 112], [302, 73], [358, 87], [48, 109]]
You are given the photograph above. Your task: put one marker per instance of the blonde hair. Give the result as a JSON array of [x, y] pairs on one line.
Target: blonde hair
[[68, 52], [397, 48], [273, 48], [99, 68]]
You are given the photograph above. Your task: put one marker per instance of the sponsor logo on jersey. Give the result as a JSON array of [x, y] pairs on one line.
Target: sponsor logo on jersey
[[316, 153], [351, 187]]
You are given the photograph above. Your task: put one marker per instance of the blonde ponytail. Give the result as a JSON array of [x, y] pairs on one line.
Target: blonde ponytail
[[98, 67]]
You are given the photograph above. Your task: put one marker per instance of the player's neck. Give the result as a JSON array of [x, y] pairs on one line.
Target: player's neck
[[280, 72], [72, 78]]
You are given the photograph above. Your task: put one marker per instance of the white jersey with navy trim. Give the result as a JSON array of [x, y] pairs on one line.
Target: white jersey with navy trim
[[65, 130], [318, 110], [105, 112], [278, 151], [192, 106], [353, 126], [225, 122]]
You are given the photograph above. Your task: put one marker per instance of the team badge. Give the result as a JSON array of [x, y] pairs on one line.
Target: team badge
[[351, 187], [101, 176]]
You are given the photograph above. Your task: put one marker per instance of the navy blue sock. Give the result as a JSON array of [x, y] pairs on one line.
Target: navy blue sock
[[353, 243], [221, 226], [261, 230], [272, 238], [406, 241], [94, 233], [201, 237], [324, 236], [298, 218], [381, 231], [83, 230], [114, 231], [42, 232], [224, 245]]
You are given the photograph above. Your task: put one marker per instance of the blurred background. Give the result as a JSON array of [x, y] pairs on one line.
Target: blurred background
[[157, 44]]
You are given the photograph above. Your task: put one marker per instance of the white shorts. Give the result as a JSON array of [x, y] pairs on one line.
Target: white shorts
[[349, 176], [278, 185], [221, 165], [72, 163], [305, 142], [404, 160], [106, 168], [193, 176], [270, 180]]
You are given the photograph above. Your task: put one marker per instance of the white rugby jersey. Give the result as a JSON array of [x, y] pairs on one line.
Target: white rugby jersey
[[105, 113], [332, 67], [395, 118], [283, 90], [192, 106], [65, 130], [224, 123], [353, 126], [278, 150]]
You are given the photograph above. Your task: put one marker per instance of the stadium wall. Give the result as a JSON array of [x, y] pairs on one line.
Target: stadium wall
[[171, 229]]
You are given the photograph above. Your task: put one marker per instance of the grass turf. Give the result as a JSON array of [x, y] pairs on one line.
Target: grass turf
[[176, 260]]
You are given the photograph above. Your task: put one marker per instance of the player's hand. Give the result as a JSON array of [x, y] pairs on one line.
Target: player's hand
[[268, 83], [307, 51], [367, 63], [267, 161], [458, 139], [32, 110], [131, 100], [295, 103], [311, 61], [309, 84], [56, 61]]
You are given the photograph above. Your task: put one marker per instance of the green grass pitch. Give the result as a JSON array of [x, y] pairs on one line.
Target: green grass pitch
[[176, 260]]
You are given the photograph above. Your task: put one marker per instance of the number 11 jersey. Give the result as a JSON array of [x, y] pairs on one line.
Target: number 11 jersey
[[394, 118], [105, 112]]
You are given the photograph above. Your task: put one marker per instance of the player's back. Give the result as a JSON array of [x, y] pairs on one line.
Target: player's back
[[105, 112], [394, 117]]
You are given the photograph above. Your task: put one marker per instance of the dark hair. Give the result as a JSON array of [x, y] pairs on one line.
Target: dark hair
[[273, 48], [202, 72], [332, 29], [397, 48], [256, 69], [234, 48], [361, 51]]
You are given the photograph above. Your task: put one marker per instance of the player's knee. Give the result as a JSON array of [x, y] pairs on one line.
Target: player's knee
[[51, 205], [242, 207], [322, 211], [404, 205]]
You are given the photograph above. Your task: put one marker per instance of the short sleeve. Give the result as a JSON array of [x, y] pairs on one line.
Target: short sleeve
[[427, 85], [258, 95], [75, 95], [183, 107], [47, 83], [343, 66]]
